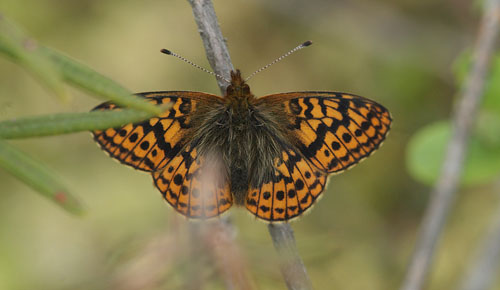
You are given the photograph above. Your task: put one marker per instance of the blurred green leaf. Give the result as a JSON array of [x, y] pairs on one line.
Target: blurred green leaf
[[23, 50], [427, 146], [426, 150], [64, 123], [38, 177]]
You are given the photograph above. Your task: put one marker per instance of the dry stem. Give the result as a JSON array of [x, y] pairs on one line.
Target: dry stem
[[293, 269]]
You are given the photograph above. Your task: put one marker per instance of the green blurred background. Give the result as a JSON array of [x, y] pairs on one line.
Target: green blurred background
[[362, 232]]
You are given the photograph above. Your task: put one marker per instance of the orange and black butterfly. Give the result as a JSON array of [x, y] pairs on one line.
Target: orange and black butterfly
[[271, 154]]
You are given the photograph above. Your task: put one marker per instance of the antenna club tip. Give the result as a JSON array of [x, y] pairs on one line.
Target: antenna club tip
[[166, 51], [307, 43]]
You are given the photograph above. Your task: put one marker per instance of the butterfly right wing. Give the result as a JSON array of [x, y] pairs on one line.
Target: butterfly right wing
[[151, 144], [334, 130], [330, 132]]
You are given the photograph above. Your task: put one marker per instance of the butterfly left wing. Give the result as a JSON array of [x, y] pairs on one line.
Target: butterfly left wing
[[151, 144], [333, 131]]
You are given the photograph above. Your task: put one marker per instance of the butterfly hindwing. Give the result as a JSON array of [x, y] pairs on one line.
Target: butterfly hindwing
[[293, 188], [195, 185], [334, 130], [151, 144]]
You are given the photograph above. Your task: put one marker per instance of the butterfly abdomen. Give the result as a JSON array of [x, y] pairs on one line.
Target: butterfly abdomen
[[240, 150]]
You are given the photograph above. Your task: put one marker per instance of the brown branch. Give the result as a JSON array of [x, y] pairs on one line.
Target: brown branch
[[293, 269], [442, 196], [215, 46], [228, 257]]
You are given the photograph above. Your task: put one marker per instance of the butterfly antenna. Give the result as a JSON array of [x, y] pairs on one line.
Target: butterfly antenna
[[168, 52], [303, 45]]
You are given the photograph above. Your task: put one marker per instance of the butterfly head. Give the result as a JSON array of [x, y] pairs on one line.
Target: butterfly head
[[238, 87]]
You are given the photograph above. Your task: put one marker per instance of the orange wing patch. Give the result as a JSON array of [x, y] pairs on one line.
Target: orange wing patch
[[335, 130], [151, 144], [294, 188], [194, 185]]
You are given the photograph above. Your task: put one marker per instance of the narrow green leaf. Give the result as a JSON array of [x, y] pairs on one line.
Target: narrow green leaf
[[85, 78], [23, 51], [64, 123], [38, 177]]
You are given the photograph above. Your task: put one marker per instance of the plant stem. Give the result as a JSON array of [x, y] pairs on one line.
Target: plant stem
[[292, 268], [215, 45]]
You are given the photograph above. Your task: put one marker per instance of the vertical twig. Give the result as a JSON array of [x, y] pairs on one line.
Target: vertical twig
[[484, 269], [215, 46], [220, 61], [293, 270], [442, 196], [292, 267], [228, 257]]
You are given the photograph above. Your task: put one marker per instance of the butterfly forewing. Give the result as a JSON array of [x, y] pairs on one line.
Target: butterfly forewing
[[334, 130], [151, 144]]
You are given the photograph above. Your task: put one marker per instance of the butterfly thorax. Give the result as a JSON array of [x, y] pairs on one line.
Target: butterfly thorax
[[238, 93]]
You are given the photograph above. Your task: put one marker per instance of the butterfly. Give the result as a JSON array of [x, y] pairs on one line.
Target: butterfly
[[271, 154]]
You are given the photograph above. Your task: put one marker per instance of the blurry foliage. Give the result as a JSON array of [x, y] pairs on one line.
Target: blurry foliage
[[52, 68], [426, 149]]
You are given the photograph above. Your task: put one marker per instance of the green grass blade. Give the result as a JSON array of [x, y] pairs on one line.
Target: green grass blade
[[64, 123], [23, 51], [85, 78], [38, 177]]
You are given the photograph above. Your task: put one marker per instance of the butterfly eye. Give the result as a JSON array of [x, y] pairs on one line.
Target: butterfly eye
[[230, 90], [245, 89]]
